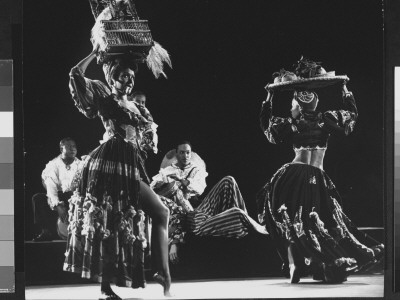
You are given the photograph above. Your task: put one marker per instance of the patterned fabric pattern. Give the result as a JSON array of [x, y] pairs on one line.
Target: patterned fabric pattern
[[221, 213], [106, 238], [312, 128], [177, 221], [301, 206], [106, 228]]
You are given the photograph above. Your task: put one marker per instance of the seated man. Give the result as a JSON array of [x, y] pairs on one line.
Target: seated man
[[222, 212], [51, 209]]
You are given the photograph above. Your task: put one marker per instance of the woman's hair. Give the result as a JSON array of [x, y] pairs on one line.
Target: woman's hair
[[113, 68]]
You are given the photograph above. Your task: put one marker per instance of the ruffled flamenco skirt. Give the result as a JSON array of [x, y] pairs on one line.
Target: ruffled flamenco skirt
[[301, 210], [106, 239]]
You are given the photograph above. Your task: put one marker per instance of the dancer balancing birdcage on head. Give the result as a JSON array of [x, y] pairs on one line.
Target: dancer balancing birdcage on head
[[118, 30], [300, 205], [106, 238]]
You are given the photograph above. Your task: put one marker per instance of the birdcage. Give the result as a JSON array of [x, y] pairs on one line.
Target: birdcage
[[124, 32], [122, 36]]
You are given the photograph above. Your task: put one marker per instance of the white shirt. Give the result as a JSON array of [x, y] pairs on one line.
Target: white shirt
[[197, 178], [58, 177]]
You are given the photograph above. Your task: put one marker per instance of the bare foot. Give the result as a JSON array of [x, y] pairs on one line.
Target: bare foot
[[164, 282], [108, 294], [112, 296], [294, 274]]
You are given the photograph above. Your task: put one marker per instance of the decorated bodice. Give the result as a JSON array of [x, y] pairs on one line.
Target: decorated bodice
[[119, 116], [308, 132], [311, 130]]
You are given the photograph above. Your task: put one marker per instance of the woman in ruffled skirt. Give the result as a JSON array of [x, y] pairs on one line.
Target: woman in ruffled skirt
[[106, 238], [300, 205]]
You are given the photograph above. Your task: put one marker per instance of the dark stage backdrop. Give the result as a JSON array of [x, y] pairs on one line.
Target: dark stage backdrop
[[223, 53]]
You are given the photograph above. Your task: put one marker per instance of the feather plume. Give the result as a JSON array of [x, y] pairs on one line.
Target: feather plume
[[157, 55], [98, 34], [156, 58]]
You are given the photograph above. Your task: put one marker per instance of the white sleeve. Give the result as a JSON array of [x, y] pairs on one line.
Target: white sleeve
[[51, 182], [155, 137], [161, 177], [197, 181]]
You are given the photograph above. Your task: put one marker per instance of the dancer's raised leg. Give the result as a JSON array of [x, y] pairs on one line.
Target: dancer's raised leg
[[159, 214]]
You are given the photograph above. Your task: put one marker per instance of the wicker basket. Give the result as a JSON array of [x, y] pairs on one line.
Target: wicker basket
[[124, 33], [307, 83], [124, 36], [307, 75]]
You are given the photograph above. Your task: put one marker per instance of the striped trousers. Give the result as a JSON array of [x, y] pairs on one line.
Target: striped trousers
[[223, 213]]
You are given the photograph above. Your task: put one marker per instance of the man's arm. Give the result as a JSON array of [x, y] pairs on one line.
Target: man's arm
[[51, 183], [173, 253], [196, 182], [50, 177], [161, 178]]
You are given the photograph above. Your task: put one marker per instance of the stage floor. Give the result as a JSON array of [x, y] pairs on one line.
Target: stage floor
[[262, 288]]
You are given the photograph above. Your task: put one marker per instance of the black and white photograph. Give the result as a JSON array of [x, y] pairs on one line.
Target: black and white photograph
[[204, 149]]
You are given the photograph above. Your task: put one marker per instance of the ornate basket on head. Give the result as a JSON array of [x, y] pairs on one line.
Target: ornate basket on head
[[119, 31], [124, 36], [307, 75]]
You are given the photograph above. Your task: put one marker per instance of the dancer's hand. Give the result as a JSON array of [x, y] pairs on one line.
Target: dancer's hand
[[345, 91], [96, 48], [269, 96], [174, 177], [173, 254], [185, 182]]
